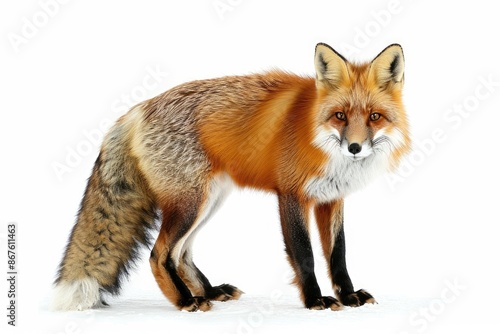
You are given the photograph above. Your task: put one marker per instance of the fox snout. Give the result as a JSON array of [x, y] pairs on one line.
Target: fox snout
[[356, 150]]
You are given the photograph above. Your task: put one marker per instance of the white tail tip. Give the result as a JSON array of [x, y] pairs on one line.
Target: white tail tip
[[76, 295]]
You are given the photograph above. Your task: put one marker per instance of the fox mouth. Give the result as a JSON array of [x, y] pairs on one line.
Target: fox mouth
[[356, 157]]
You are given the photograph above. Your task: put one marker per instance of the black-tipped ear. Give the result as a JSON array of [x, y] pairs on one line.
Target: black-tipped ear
[[388, 66], [331, 67]]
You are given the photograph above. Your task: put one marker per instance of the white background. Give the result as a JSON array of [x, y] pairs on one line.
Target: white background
[[424, 241]]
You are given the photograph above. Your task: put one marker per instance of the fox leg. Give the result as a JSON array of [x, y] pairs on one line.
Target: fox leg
[[199, 284], [171, 259], [330, 221], [218, 189], [294, 224], [165, 261]]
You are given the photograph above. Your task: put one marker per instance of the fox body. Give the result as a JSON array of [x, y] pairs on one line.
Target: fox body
[[312, 141]]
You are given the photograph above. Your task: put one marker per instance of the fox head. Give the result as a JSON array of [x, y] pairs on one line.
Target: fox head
[[360, 113]]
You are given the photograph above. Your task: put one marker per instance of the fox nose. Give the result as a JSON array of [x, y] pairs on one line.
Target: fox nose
[[354, 148]]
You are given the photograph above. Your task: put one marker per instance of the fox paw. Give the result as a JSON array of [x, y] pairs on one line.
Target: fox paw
[[357, 298], [194, 304], [223, 293], [324, 303]]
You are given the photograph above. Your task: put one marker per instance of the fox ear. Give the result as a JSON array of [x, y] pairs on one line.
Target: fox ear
[[388, 67], [331, 67]]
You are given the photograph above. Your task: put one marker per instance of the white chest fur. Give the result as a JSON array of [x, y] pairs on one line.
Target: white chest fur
[[343, 176]]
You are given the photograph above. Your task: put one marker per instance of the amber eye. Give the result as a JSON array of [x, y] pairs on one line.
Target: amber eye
[[374, 116], [340, 115]]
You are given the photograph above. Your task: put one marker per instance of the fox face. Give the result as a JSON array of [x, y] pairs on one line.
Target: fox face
[[361, 125], [361, 129]]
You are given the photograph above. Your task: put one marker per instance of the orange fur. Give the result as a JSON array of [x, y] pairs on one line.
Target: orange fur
[[329, 218], [270, 147]]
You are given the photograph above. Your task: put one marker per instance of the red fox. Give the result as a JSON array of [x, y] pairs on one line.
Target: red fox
[[310, 140]]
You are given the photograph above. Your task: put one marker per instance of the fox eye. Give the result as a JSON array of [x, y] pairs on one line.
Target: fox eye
[[374, 116], [340, 115]]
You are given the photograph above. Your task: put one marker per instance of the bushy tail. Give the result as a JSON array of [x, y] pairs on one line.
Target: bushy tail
[[116, 214]]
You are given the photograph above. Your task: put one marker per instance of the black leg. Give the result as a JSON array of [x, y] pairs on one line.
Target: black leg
[[340, 277], [298, 248], [330, 221]]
